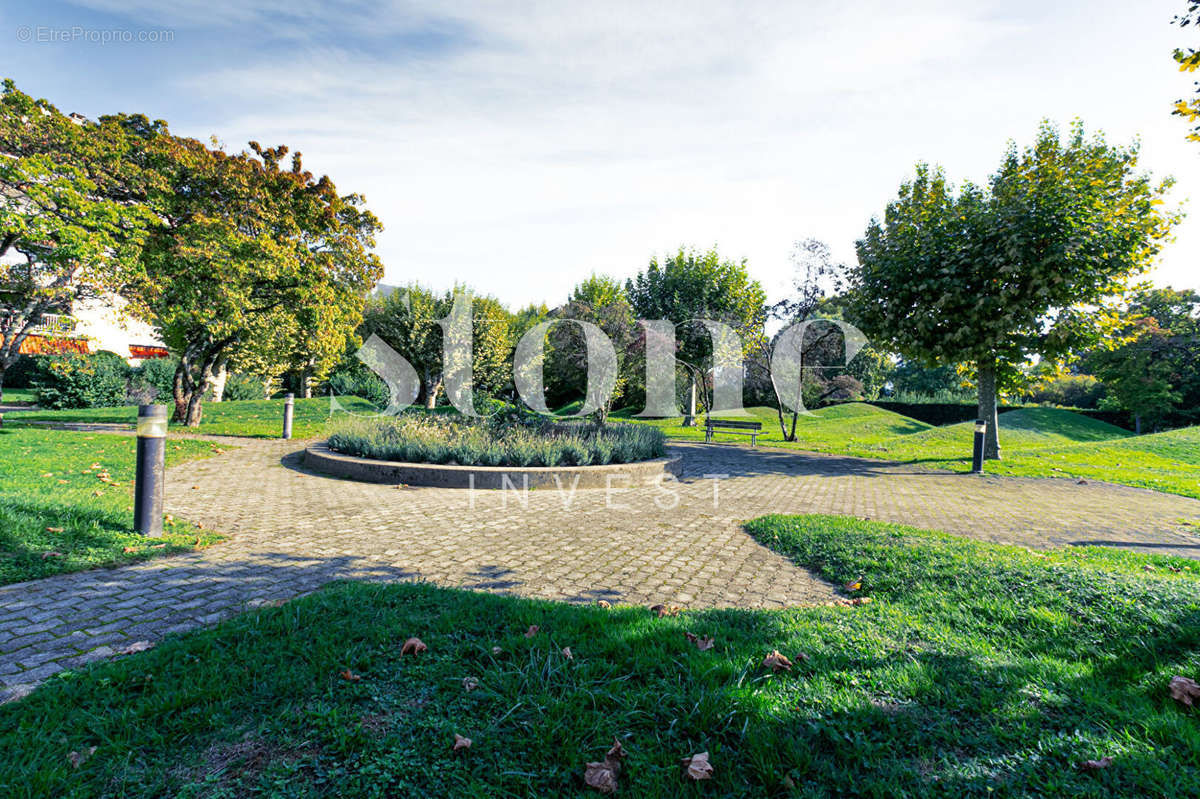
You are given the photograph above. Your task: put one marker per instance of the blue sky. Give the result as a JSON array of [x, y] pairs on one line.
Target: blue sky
[[519, 147]]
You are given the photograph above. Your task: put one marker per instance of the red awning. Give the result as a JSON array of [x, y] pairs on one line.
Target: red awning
[[146, 351], [45, 345]]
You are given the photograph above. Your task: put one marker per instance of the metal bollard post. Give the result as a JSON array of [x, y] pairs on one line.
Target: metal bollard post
[[289, 406], [148, 491], [977, 455]]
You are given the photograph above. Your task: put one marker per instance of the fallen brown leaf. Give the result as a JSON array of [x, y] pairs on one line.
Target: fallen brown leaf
[[413, 646], [95, 466], [665, 610], [54, 529], [460, 743], [127, 550], [603, 604], [703, 644], [777, 662], [470, 684], [567, 653], [698, 767], [48, 555], [1184, 690], [532, 631], [349, 676], [853, 585], [77, 759], [603, 776], [48, 474], [135, 647], [1096, 765]]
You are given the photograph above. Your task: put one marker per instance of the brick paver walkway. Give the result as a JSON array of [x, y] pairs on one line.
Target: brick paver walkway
[[292, 531]]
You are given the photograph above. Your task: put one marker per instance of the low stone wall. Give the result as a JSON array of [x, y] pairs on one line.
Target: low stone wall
[[616, 475]]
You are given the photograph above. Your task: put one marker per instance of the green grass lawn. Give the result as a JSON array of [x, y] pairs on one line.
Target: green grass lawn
[[1035, 442], [977, 670], [19, 396], [252, 418], [52, 501]]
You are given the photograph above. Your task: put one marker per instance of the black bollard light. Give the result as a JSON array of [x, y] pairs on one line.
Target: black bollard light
[[977, 455], [289, 407], [148, 486]]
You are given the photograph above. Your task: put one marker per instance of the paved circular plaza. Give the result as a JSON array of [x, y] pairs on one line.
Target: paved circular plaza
[[292, 530]]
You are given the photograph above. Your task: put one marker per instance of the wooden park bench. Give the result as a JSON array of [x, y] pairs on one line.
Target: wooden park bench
[[734, 428]]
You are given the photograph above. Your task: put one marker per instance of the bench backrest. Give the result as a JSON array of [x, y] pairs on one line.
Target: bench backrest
[[734, 425]]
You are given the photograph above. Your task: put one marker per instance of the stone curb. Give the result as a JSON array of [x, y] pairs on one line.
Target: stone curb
[[617, 476]]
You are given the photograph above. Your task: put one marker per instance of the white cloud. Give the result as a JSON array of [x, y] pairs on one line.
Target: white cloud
[[547, 140]]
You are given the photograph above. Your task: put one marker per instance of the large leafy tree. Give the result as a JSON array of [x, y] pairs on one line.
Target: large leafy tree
[[253, 260], [407, 320], [600, 300], [690, 285], [1153, 371], [1026, 265], [71, 226]]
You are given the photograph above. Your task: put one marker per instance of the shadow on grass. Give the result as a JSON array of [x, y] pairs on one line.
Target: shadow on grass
[[877, 710]]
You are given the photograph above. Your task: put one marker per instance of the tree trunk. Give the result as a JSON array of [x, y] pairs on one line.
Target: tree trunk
[[3, 369], [1137, 424], [195, 408], [220, 375], [690, 419], [305, 384], [432, 387], [988, 409], [179, 392]]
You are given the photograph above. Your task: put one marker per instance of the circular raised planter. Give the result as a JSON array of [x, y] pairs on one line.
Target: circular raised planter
[[615, 475]]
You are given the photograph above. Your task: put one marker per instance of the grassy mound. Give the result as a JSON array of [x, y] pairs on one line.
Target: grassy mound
[[1035, 442], [504, 440], [977, 670]]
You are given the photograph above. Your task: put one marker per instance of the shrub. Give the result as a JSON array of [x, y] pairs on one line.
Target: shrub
[[72, 380], [22, 373], [154, 379], [506, 440], [1071, 391], [352, 378], [240, 386]]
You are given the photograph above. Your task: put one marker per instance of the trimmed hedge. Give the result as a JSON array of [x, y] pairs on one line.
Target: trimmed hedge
[[944, 413]]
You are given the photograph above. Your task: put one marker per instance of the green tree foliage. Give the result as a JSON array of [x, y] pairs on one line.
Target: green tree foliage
[[602, 301], [1067, 390], [690, 285], [915, 379], [1026, 265], [406, 319], [256, 265], [1154, 371], [70, 227], [1188, 60]]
